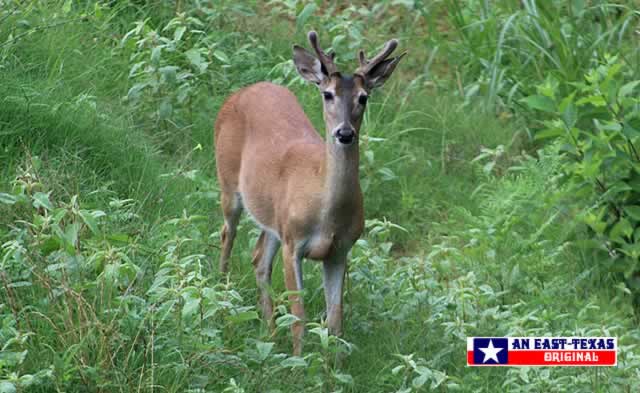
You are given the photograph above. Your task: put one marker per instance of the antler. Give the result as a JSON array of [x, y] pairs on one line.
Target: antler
[[325, 59], [367, 65]]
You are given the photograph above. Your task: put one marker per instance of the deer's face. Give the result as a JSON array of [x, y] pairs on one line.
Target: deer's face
[[344, 97], [344, 101]]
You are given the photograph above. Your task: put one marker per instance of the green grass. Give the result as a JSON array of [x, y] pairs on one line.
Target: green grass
[[134, 302]]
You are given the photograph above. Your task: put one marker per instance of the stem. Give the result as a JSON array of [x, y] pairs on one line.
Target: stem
[[11, 297], [616, 115], [153, 332], [38, 28], [633, 149], [573, 138], [9, 14]]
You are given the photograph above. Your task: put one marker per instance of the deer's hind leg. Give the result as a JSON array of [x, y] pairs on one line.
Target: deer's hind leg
[[263, 255], [293, 280], [231, 210]]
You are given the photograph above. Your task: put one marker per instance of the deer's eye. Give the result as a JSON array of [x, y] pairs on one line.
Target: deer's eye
[[362, 100], [328, 96]]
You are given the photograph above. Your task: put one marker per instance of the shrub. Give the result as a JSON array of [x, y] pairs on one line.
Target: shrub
[[598, 124]]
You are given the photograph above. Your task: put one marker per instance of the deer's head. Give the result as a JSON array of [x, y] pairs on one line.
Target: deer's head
[[344, 96]]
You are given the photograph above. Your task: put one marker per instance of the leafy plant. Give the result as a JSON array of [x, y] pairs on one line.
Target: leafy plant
[[168, 70], [599, 126]]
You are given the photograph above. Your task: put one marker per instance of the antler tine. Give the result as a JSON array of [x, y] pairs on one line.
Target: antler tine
[[325, 59], [367, 65], [362, 58]]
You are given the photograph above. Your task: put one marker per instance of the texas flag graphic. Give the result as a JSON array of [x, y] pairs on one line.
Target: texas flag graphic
[[542, 351]]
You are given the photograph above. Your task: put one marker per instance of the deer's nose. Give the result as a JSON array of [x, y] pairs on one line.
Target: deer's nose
[[345, 135]]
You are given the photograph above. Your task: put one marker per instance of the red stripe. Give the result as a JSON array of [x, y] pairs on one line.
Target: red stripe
[[561, 358], [555, 358]]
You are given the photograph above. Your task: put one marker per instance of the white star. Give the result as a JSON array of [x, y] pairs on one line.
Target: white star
[[490, 352]]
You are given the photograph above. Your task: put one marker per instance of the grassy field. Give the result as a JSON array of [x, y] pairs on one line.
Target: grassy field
[[497, 165]]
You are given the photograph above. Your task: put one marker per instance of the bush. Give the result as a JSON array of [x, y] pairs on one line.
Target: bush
[[598, 124]]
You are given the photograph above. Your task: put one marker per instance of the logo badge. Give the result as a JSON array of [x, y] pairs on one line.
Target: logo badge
[[542, 351]]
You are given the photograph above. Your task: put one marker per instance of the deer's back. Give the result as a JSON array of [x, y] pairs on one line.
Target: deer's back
[[263, 127], [264, 113]]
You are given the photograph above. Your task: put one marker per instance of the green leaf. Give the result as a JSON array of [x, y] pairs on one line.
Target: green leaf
[[595, 100], [633, 251], [195, 58], [169, 74], [165, 110], [119, 237], [344, 378], [58, 214], [419, 381], [191, 305], [627, 88], [264, 349], [595, 222], [636, 236], [286, 320], [66, 7], [20, 284], [629, 131], [97, 9], [7, 199], [608, 125], [306, 12], [633, 212], [397, 369], [54, 267], [7, 387], [89, 220], [540, 103], [135, 90], [337, 40], [323, 333], [577, 7], [50, 245], [566, 102], [243, 317], [177, 35], [71, 234], [570, 114], [548, 133], [488, 167], [438, 378], [549, 87], [41, 199], [155, 55], [220, 55], [620, 229], [294, 361], [387, 174]]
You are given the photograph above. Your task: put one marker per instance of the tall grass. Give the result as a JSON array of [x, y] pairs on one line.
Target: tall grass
[[513, 45]]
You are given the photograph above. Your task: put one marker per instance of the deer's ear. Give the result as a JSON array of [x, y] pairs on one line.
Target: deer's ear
[[382, 71], [308, 66]]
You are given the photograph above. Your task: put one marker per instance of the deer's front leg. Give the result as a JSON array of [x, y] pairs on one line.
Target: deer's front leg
[[293, 280], [334, 270]]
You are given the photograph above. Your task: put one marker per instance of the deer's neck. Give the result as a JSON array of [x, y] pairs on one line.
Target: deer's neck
[[342, 184]]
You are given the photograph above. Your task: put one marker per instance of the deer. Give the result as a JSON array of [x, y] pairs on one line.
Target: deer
[[303, 192]]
